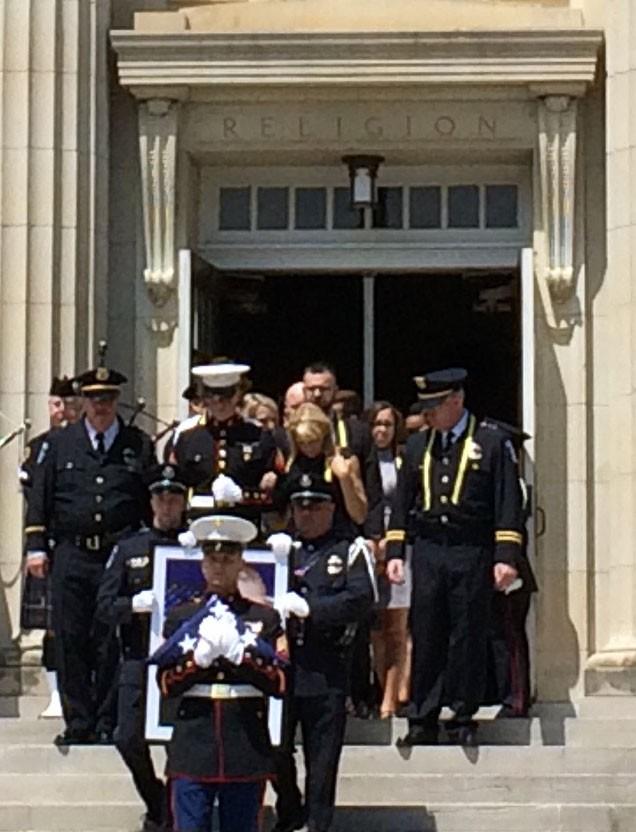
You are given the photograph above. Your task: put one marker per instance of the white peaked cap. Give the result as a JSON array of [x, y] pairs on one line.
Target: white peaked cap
[[220, 375], [223, 527]]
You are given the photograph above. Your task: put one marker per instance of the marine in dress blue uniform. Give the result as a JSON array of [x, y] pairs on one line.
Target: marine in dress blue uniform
[[458, 499], [124, 602], [220, 747], [222, 443], [88, 491], [331, 594]]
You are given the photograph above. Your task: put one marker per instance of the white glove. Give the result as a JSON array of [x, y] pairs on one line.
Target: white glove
[[281, 545], [187, 539], [226, 491], [204, 653], [222, 637], [143, 601], [292, 603]]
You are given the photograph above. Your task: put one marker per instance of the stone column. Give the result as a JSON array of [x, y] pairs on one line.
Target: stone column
[[53, 224], [612, 667]]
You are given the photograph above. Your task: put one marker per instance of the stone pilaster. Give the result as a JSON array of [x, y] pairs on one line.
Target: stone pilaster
[[53, 224], [612, 667]]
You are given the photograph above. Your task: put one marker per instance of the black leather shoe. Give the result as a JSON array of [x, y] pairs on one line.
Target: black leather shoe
[[151, 825], [419, 735], [67, 738], [467, 736], [289, 826]]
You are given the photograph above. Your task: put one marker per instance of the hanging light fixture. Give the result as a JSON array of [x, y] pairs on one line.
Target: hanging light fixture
[[363, 172]]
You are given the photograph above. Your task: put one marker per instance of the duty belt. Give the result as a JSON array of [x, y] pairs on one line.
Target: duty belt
[[220, 691]]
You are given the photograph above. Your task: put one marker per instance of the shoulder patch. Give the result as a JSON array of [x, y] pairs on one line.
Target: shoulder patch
[[510, 449], [112, 557], [44, 448]]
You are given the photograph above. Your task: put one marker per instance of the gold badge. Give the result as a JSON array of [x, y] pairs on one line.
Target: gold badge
[[420, 382], [475, 451], [102, 374]]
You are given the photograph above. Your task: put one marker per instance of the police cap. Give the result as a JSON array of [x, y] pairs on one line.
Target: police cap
[[101, 382], [62, 387], [433, 388], [166, 478], [310, 488]]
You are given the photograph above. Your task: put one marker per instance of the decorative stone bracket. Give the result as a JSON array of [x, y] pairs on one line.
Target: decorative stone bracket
[[557, 121], [158, 126]]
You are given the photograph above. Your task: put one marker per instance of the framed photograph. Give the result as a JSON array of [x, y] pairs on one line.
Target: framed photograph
[[177, 578]]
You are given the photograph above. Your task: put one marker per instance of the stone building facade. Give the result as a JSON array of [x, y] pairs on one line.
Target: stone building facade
[[140, 141]]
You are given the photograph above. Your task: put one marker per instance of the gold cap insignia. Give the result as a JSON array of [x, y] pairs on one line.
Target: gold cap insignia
[[420, 381], [102, 374], [305, 481]]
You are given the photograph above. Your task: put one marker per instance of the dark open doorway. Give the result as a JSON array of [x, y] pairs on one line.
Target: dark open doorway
[[279, 323], [427, 322]]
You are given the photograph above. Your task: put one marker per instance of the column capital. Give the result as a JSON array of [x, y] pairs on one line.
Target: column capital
[[158, 129]]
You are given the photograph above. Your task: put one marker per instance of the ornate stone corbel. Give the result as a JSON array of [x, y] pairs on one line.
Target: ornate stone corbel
[[158, 125], [557, 157]]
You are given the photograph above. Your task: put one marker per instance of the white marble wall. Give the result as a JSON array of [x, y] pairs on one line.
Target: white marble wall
[[613, 664], [53, 224]]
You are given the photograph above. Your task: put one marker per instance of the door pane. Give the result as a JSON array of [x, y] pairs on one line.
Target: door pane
[[344, 217], [234, 213], [273, 209], [463, 206], [501, 206], [311, 208], [388, 213], [425, 206]]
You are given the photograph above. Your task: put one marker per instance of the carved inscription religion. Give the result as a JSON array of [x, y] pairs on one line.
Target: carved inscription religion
[[357, 125]]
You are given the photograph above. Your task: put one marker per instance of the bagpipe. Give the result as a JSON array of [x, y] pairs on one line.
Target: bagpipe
[[183, 640]]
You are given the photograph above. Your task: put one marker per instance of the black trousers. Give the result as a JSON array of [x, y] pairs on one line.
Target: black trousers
[[86, 649], [510, 651], [322, 722], [130, 739], [450, 604]]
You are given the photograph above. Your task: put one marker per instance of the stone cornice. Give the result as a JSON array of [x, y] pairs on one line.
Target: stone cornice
[[189, 59]]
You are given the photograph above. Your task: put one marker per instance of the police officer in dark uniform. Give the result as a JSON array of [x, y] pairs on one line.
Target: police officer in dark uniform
[[88, 491], [220, 747], [125, 601], [332, 592], [458, 497], [224, 455], [37, 609]]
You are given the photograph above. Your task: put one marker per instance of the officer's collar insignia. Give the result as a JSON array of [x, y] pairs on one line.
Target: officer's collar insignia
[[420, 381], [335, 565], [305, 481], [101, 374], [475, 451], [168, 473]]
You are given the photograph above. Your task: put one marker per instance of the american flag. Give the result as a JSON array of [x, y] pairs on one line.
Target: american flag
[[184, 639]]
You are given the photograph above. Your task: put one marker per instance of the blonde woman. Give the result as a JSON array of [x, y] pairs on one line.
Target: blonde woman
[[313, 451]]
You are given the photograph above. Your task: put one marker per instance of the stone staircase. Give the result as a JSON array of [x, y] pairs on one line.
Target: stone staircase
[[567, 769]]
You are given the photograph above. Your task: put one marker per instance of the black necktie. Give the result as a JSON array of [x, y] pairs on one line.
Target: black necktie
[[101, 447]]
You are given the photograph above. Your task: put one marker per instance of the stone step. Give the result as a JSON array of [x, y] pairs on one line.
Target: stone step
[[538, 731], [29, 707], [431, 817], [17, 758], [365, 789], [23, 680]]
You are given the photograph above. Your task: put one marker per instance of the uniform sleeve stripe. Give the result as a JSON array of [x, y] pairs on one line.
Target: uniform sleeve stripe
[[508, 536], [34, 529], [396, 536]]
